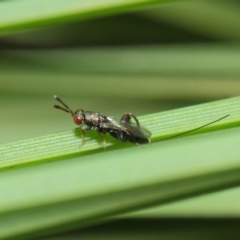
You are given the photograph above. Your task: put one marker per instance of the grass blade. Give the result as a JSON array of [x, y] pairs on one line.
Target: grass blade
[[82, 190], [25, 14], [162, 125]]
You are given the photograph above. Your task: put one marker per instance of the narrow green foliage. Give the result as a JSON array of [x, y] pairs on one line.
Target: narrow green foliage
[[84, 190], [162, 125], [25, 14], [52, 184]]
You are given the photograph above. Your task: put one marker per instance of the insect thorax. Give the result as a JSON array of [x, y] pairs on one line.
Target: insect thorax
[[94, 119]]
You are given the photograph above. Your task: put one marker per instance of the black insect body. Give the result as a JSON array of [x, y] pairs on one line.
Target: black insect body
[[129, 131], [124, 130]]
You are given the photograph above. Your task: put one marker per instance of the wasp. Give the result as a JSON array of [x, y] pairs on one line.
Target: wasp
[[124, 130]]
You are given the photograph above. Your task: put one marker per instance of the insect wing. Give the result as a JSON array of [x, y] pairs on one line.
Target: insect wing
[[110, 123], [132, 127], [141, 132]]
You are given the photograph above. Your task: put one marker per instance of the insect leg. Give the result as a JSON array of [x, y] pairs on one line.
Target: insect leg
[[84, 136], [103, 138], [127, 118]]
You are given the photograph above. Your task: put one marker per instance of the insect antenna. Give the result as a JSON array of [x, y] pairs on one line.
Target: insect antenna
[[192, 130], [66, 109]]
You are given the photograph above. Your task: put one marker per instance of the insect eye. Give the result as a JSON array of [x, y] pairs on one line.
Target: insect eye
[[78, 120]]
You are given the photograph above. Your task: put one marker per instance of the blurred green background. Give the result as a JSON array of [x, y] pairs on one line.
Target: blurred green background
[[141, 60]]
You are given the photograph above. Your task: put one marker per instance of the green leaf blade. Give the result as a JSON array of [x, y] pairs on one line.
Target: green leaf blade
[[25, 14], [162, 125], [89, 188]]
